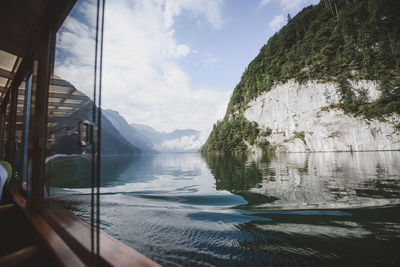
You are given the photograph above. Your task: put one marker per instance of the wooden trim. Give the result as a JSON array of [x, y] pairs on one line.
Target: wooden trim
[[52, 241], [11, 125], [6, 208], [2, 123], [38, 124], [17, 198], [68, 237], [77, 234], [19, 257], [64, 255], [61, 9]]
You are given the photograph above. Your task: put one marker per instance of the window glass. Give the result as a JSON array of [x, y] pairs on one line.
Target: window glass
[[22, 132], [5, 129], [71, 130]]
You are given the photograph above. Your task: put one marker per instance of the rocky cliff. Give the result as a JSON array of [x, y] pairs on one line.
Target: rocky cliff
[[327, 81], [303, 117]]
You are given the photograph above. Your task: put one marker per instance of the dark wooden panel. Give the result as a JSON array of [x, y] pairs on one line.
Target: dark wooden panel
[[17, 21]]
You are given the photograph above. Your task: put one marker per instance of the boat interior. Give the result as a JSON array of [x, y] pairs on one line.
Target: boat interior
[[37, 107]]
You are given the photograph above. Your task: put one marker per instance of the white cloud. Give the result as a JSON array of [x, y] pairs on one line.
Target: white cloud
[[264, 2], [211, 10], [141, 77], [289, 5], [277, 22]]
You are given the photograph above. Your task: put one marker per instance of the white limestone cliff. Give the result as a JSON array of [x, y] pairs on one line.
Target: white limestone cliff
[[301, 119]]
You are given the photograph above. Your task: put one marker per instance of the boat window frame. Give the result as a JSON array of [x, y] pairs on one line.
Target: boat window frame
[[38, 60]]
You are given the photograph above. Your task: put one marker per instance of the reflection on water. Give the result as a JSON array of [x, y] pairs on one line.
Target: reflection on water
[[295, 209], [318, 180]]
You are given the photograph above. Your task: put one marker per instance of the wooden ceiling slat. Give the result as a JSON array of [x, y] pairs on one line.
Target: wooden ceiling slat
[[6, 74], [68, 96], [59, 82], [71, 105], [63, 96]]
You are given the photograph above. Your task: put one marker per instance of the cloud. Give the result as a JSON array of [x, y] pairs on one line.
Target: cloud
[[289, 5], [211, 10], [264, 2], [141, 75], [277, 22]]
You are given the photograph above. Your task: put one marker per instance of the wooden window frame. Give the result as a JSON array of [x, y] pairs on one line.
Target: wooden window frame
[[58, 228]]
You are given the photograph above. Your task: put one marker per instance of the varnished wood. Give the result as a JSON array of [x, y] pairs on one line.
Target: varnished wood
[[68, 237], [11, 125], [49, 238], [19, 257], [63, 253], [2, 123], [76, 233], [56, 229], [4, 209], [38, 123], [17, 198], [17, 20]]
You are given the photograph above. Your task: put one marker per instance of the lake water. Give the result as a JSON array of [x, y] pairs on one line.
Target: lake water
[[298, 209]]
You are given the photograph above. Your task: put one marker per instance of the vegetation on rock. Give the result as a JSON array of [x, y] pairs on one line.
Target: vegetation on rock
[[333, 41]]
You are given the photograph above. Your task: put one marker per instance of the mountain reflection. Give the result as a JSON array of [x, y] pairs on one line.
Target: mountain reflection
[[74, 171], [294, 209], [314, 180]]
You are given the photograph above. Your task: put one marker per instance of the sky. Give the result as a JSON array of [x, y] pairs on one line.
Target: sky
[[169, 64]]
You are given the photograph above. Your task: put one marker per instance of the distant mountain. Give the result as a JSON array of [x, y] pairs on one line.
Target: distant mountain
[[112, 142], [149, 140], [117, 136], [178, 141], [133, 136]]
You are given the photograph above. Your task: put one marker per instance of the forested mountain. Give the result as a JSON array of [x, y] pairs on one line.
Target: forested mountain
[[345, 51]]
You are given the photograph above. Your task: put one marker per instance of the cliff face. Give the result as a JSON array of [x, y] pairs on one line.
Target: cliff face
[[302, 117], [327, 81]]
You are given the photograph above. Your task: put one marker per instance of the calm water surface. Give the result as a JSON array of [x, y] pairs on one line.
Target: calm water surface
[[297, 209]]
